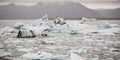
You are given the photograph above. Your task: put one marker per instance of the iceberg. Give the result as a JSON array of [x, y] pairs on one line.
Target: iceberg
[[31, 56], [34, 28], [77, 54], [60, 21], [115, 28], [44, 18], [18, 25], [107, 25], [82, 28], [74, 56], [25, 34], [38, 55], [84, 19], [39, 24], [43, 56]]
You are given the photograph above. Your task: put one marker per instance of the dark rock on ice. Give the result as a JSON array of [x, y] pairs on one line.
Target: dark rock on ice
[[1, 58], [60, 21], [26, 34]]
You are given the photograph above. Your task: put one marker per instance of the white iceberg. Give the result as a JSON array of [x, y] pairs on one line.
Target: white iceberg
[[40, 24], [74, 56], [77, 54], [107, 25], [24, 49], [37, 26], [115, 28], [84, 19], [40, 55]]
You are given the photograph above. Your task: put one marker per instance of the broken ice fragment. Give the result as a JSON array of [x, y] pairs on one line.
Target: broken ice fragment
[[18, 25], [107, 25], [39, 55]]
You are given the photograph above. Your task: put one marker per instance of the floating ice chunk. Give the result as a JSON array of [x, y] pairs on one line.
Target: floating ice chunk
[[24, 49], [115, 25], [60, 57], [8, 31], [60, 21], [109, 29], [25, 34], [39, 25], [105, 32], [107, 25], [31, 56], [18, 25], [89, 31], [79, 26], [41, 22], [115, 30], [79, 51], [76, 54], [44, 55], [44, 18], [84, 19], [1, 45], [48, 42], [5, 54], [39, 55]]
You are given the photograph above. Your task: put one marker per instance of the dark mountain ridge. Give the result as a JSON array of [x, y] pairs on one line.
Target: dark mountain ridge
[[67, 10]]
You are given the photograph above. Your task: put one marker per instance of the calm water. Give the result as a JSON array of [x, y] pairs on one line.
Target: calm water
[[10, 22]]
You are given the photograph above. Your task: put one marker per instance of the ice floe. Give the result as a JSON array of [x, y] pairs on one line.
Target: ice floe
[[39, 55]]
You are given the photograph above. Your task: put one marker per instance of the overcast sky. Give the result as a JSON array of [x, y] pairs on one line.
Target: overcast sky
[[92, 4]]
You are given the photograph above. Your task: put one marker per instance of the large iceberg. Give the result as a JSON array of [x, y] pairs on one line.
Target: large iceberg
[[38, 26]]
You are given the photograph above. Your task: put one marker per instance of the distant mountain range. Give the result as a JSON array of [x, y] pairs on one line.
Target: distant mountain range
[[67, 10], [113, 13]]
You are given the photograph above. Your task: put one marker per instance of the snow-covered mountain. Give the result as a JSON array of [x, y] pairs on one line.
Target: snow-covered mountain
[[63, 9]]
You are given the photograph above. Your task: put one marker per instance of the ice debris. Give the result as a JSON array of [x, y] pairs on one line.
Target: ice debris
[[39, 55], [5, 54], [77, 54], [38, 27], [84, 19], [18, 25], [7, 31]]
